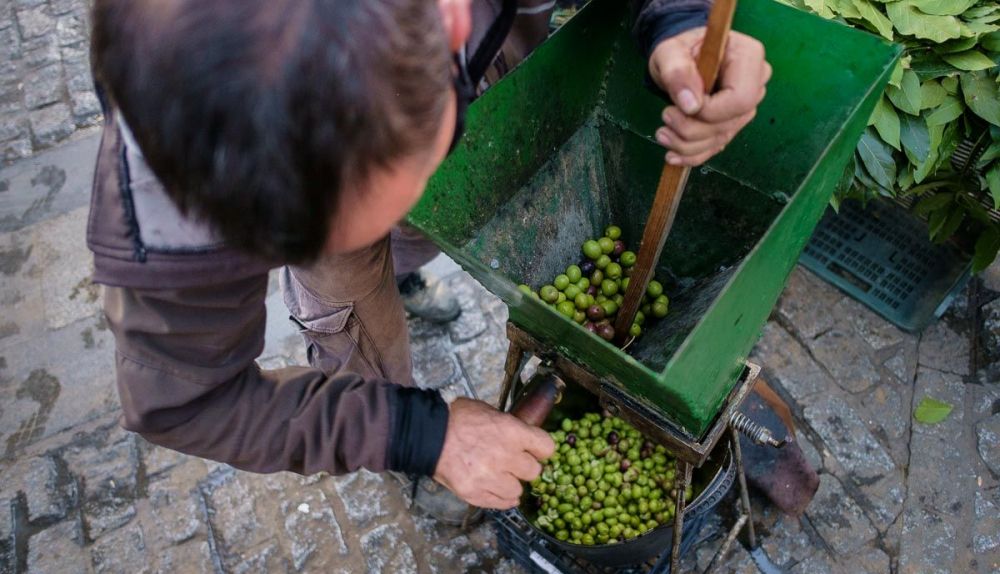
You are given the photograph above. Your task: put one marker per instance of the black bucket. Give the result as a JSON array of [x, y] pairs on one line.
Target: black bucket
[[711, 483]]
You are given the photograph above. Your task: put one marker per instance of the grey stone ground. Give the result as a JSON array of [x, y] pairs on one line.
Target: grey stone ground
[[46, 93], [77, 494]]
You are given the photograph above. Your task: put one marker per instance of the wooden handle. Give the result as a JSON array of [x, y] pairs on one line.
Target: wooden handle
[[542, 393], [674, 177]]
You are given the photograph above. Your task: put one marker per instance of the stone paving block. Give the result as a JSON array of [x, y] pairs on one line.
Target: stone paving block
[[65, 268], [55, 549], [940, 481], [848, 359], [43, 489], [986, 530], [817, 563], [869, 465], [43, 86], [35, 21], [38, 52], [175, 510], [864, 323], [385, 550], [51, 124], [233, 516], [121, 552], [838, 518], [158, 459], [363, 496], [108, 473], [317, 542], [806, 303], [193, 557], [988, 442], [788, 363], [267, 559], [71, 27], [943, 349], [786, 542]]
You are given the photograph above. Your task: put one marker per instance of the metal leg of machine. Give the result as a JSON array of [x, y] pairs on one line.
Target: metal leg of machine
[[679, 504]]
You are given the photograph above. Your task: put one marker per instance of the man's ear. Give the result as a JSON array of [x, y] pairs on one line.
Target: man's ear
[[457, 18]]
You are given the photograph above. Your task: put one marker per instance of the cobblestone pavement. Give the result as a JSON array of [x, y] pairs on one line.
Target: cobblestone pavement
[[78, 494], [46, 93]]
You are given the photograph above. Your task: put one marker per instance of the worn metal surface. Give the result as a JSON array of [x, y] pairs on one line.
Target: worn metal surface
[[563, 146]]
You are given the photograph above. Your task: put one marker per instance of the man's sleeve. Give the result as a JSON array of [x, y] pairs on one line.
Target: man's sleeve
[[661, 19], [188, 380]]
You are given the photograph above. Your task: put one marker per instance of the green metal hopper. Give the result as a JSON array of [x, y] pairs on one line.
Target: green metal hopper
[[562, 147]]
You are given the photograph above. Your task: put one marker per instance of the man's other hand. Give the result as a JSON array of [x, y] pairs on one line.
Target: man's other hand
[[699, 126], [487, 454]]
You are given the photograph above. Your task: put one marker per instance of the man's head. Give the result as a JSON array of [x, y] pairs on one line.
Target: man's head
[[290, 126]]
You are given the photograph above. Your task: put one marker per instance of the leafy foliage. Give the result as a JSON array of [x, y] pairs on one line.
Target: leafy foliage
[[931, 411], [945, 89]]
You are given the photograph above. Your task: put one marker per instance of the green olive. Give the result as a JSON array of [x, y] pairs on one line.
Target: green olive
[[627, 259], [609, 287], [610, 307], [592, 249], [573, 273], [662, 299], [549, 293], [581, 301], [613, 232], [596, 277], [640, 318], [561, 282], [560, 297], [612, 270], [572, 291], [655, 289], [606, 244], [659, 310], [579, 316], [524, 289], [619, 299], [583, 284], [603, 262]]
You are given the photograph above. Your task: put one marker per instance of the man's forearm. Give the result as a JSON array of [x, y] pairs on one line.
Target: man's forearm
[[188, 381]]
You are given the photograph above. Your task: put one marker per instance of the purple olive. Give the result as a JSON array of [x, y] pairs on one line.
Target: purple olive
[[595, 313], [606, 332], [587, 268], [613, 437], [625, 464], [592, 290], [619, 248], [590, 327], [571, 439]]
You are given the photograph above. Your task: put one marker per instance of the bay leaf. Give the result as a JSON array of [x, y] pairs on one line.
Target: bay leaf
[[969, 60], [931, 94], [915, 138], [986, 249], [886, 122], [909, 20], [950, 109], [982, 95], [990, 41], [944, 7], [875, 17], [950, 84], [931, 411], [877, 158], [993, 183], [907, 95], [820, 7]]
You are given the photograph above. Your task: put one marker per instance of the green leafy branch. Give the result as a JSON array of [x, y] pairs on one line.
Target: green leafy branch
[[946, 89]]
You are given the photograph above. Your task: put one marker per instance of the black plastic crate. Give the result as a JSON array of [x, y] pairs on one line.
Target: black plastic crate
[[880, 255]]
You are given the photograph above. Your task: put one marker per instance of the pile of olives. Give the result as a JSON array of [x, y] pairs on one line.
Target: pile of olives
[[605, 483], [591, 291]]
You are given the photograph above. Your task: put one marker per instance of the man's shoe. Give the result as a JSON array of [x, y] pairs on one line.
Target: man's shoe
[[439, 502], [428, 299]]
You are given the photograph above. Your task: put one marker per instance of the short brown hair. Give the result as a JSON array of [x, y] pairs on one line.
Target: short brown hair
[[254, 113]]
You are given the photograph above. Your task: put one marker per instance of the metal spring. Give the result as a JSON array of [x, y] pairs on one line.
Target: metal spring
[[757, 433]]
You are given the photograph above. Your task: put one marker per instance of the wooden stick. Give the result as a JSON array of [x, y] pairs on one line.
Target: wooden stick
[[674, 177]]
